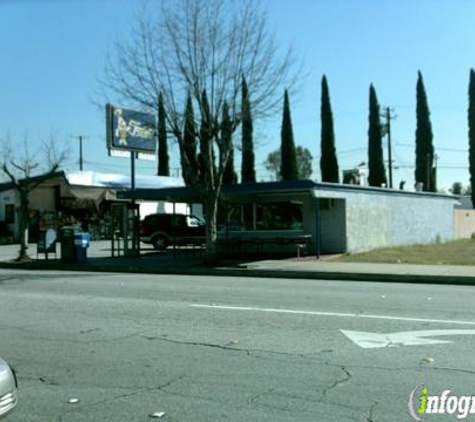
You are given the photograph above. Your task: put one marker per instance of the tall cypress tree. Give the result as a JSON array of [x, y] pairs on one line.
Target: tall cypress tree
[[248, 173], [229, 176], [377, 174], [471, 133], [189, 161], [288, 170], [163, 158], [328, 160], [424, 139]]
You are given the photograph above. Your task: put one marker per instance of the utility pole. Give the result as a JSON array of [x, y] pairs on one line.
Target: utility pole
[[428, 172], [388, 116], [80, 137]]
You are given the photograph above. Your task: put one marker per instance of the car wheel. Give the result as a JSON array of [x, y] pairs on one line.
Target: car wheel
[[159, 242]]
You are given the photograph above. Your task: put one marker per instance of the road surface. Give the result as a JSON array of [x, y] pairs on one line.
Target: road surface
[[123, 347]]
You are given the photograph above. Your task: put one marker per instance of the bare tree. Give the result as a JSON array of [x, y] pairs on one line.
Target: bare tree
[[20, 165], [202, 48]]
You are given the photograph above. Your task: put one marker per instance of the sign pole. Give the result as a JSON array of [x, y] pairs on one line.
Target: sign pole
[[132, 170], [133, 131], [135, 228]]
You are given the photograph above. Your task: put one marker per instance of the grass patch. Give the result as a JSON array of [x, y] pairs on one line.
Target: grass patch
[[458, 252]]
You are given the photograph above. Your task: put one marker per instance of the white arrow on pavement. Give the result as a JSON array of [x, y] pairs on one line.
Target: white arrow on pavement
[[406, 338]]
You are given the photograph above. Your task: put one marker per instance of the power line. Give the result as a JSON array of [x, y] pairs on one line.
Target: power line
[[435, 147]]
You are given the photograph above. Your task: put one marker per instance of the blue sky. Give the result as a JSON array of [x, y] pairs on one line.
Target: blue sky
[[53, 51]]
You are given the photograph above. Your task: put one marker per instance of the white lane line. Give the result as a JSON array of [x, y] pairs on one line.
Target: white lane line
[[332, 314]]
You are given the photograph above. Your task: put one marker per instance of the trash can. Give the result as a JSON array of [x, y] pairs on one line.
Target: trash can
[[81, 243], [68, 254]]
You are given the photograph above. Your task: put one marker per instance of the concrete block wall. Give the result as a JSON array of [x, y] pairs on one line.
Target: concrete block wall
[[379, 217]]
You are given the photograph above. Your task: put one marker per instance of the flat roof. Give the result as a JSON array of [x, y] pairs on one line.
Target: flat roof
[[373, 189], [281, 188]]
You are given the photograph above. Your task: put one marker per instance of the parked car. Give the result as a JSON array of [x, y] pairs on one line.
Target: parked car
[[8, 389], [163, 230]]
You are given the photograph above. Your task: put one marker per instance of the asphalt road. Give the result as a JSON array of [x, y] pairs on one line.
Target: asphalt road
[[228, 349]]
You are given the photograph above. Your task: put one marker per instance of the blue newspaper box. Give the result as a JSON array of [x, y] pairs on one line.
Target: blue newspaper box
[[81, 243]]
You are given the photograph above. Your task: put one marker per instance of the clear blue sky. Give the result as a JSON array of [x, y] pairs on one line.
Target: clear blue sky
[[53, 51]]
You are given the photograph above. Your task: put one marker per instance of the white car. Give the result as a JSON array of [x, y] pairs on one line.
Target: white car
[[8, 389]]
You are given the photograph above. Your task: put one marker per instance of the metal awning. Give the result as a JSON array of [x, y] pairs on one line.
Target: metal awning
[[230, 193]]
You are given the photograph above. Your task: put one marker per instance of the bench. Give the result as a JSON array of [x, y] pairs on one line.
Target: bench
[[236, 244]]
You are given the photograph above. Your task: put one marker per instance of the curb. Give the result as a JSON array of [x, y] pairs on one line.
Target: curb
[[249, 272]]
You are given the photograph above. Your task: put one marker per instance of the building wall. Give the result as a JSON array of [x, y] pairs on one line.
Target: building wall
[[464, 221], [465, 202], [9, 197], [6, 198], [43, 199], [332, 225], [378, 218]]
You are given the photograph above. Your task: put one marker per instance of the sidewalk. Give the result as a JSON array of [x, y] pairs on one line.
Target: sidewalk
[[190, 262]]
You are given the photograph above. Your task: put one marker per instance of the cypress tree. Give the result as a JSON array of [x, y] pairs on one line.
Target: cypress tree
[[377, 174], [471, 133], [288, 170], [163, 158], [189, 161], [229, 176], [248, 173], [328, 160], [424, 139]]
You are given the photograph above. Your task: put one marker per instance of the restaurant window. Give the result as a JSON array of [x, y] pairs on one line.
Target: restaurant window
[[279, 216]]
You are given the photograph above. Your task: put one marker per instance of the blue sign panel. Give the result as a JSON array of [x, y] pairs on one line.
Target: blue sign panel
[[130, 130]]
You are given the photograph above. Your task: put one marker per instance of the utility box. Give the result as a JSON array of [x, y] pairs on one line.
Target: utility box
[[81, 243], [68, 252]]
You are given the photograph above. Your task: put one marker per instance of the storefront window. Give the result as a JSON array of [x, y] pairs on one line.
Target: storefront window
[[279, 216]]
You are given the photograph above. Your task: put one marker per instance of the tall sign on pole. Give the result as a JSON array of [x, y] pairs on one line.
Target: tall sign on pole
[[130, 132]]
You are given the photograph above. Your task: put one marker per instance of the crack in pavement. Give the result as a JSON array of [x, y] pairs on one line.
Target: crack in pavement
[[407, 368], [252, 399], [140, 391], [3, 280], [338, 382], [371, 417], [294, 404], [442, 368], [247, 351], [27, 330], [197, 343]]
